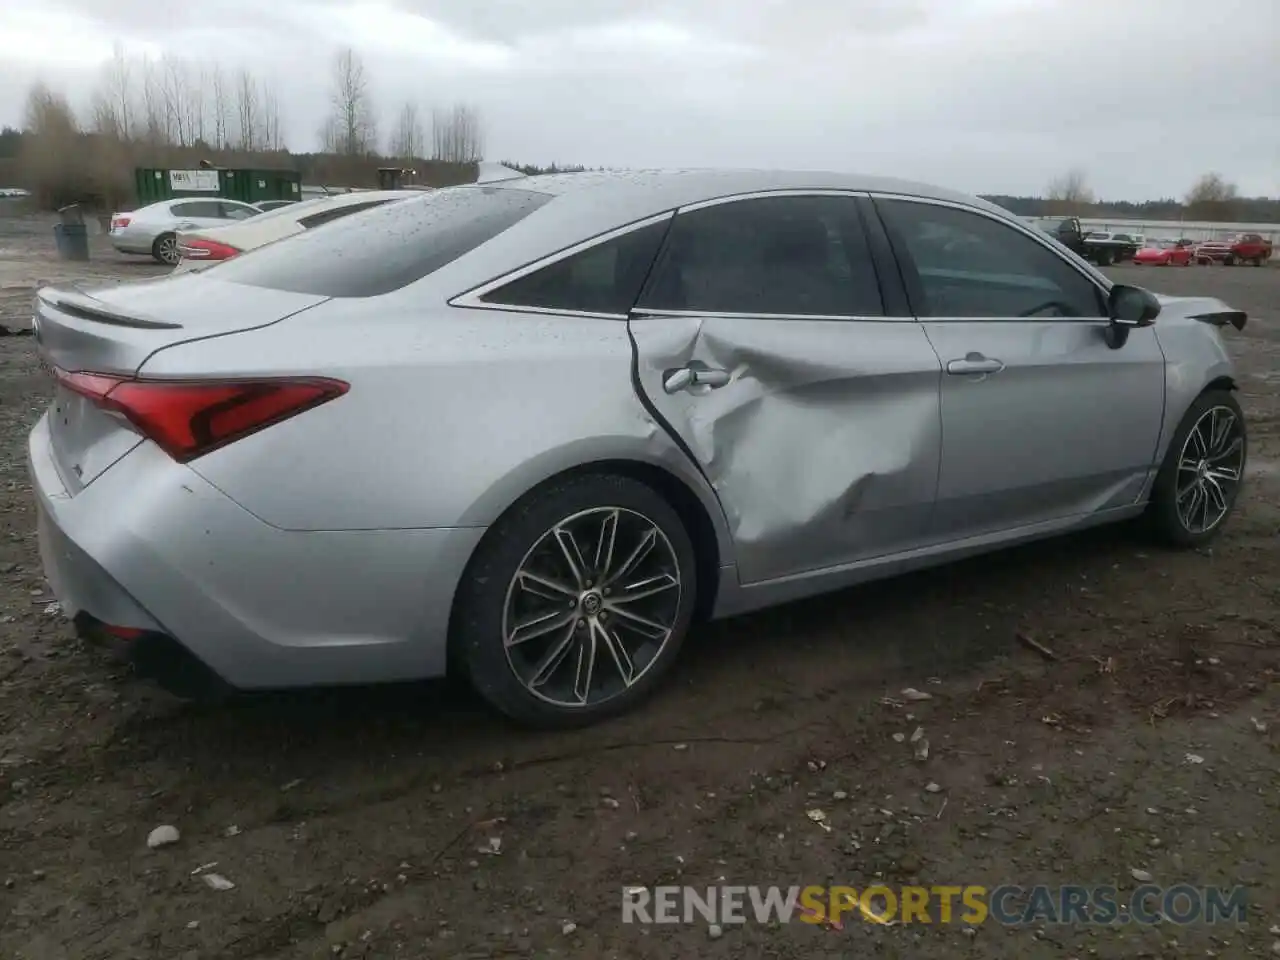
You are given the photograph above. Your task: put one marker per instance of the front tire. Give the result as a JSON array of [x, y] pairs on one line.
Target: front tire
[[1199, 482], [576, 602]]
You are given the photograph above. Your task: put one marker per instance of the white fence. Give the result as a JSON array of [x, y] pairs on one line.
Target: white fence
[[1177, 229]]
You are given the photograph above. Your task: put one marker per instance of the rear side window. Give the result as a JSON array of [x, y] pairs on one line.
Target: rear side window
[[605, 278], [386, 248], [206, 209], [325, 216]]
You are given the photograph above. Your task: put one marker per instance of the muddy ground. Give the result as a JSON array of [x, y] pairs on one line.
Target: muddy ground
[[351, 822]]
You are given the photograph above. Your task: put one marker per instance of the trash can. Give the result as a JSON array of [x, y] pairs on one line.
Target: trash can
[[71, 235], [72, 240]]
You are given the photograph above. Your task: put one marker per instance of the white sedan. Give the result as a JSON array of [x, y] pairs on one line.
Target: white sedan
[[152, 230], [217, 243]]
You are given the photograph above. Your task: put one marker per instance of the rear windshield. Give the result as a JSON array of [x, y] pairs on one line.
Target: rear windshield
[[386, 248]]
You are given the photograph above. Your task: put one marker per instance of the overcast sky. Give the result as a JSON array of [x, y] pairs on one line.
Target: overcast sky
[[991, 96]]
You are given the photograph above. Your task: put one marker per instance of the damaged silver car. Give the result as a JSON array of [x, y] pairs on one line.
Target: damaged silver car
[[533, 430]]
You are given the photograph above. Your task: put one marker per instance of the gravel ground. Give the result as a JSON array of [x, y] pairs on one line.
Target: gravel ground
[[352, 823]]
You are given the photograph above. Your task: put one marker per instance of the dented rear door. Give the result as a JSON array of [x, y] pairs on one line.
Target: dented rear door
[[762, 347]]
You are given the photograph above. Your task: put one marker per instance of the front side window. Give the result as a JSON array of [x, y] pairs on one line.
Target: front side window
[[779, 256], [970, 265], [605, 278]]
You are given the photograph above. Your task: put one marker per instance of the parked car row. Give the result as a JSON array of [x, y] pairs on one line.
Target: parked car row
[[1104, 249], [532, 430]]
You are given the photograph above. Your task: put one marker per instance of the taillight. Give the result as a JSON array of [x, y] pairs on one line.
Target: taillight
[[119, 223], [206, 250], [189, 418]]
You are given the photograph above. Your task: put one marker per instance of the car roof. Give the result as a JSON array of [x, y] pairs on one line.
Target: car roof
[[652, 191]]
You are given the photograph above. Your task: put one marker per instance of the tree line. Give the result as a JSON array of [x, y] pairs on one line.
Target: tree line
[[175, 112], [1211, 198]]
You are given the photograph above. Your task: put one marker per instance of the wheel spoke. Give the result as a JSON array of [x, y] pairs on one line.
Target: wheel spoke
[[545, 587], [540, 626], [1215, 494], [605, 544], [1221, 435], [1232, 449], [1196, 443], [1189, 466], [648, 587], [572, 555], [642, 550], [641, 625], [586, 667], [553, 658], [1221, 474], [1189, 513], [617, 652]]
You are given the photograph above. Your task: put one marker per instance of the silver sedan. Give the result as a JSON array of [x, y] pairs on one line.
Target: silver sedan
[[533, 431], [153, 230]]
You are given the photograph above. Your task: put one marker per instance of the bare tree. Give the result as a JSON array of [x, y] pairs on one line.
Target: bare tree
[[352, 130], [247, 112], [173, 92], [195, 105], [457, 135], [152, 104], [272, 138], [117, 92], [220, 108], [1070, 193], [407, 139], [1212, 197]]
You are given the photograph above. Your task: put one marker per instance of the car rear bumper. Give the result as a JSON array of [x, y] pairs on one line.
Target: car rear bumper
[[200, 593]]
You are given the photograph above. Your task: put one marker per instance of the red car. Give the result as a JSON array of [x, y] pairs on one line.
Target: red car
[[1243, 248], [1165, 253]]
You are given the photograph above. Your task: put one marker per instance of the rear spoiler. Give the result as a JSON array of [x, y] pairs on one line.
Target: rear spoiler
[[85, 307], [1220, 318]]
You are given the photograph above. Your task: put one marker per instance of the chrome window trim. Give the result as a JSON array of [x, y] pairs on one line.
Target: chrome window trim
[[640, 313], [1100, 282], [471, 299], [765, 194]]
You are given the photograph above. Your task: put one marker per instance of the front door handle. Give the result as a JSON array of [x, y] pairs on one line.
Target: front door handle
[[686, 378], [974, 363]]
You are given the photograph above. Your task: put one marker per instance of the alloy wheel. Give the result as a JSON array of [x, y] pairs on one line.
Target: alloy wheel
[[169, 250], [1210, 468], [591, 607]]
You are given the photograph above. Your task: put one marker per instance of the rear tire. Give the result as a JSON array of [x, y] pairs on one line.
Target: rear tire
[[1199, 482], [165, 249], [541, 624]]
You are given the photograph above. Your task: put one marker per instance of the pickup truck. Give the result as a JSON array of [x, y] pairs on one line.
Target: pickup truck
[[1100, 248], [1242, 248]]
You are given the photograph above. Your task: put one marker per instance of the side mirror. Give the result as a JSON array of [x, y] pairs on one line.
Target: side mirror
[[1129, 308]]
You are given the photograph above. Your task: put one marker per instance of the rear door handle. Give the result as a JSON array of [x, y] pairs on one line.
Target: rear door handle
[[686, 378], [974, 363]]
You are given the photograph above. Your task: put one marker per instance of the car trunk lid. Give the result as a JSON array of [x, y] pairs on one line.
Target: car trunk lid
[[113, 330]]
